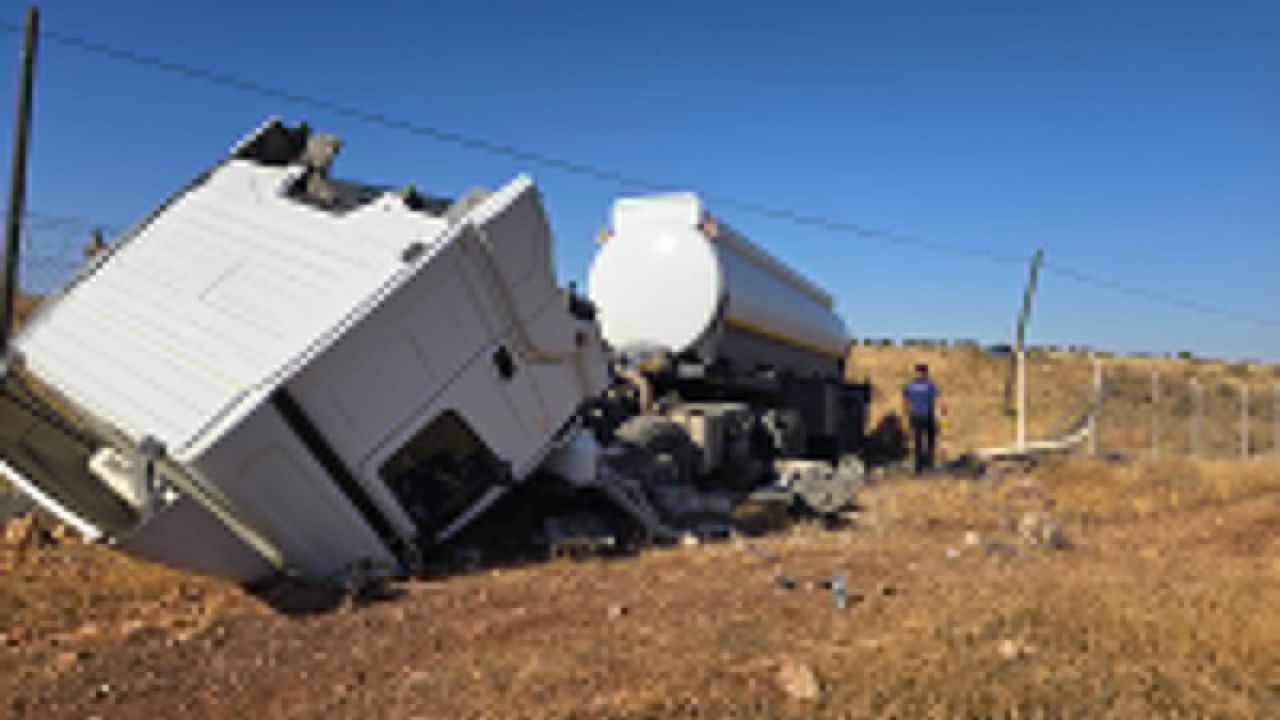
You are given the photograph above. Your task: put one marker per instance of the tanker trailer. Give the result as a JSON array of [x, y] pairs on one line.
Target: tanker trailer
[[694, 310], [282, 372]]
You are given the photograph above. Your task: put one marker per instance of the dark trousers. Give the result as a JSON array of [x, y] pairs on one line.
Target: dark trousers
[[924, 436]]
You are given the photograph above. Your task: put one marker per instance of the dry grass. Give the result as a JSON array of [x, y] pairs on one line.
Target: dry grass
[[1080, 490], [1059, 392], [23, 306], [1163, 607], [71, 597]]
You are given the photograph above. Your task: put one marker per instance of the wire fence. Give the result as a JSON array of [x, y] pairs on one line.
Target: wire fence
[[1198, 409], [54, 247], [1080, 403]]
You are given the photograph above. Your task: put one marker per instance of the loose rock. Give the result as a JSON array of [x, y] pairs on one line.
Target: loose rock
[[798, 680], [1009, 650], [21, 532]]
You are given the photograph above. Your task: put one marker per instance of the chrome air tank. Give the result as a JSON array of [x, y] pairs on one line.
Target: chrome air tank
[[672, 279]]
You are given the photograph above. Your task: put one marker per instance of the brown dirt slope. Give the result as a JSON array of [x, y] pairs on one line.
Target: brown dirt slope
[[1162, 606]]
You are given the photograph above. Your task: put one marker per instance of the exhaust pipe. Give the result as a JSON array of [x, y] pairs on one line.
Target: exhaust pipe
[[17, 183]]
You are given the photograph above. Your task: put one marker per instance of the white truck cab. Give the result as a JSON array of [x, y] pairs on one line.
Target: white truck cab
[[292, 372]]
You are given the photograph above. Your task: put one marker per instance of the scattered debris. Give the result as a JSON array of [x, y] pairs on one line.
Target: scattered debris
[[1039, 528], [997, 550], [757, 551], [578, 536], [972, 538], [819, 487], [839, 594]]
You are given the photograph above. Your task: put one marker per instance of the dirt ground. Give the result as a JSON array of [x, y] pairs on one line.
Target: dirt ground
[[1078, 590]]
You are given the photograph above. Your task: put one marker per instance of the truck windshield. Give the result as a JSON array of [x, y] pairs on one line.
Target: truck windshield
[[440, 472]]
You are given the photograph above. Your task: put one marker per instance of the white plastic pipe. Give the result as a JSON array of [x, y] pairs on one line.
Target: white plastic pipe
[[1021, 440]]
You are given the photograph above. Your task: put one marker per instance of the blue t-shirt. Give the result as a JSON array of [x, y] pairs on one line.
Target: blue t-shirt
[[920, 396]]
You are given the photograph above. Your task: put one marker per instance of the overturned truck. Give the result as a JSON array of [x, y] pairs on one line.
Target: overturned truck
[[280, 371]]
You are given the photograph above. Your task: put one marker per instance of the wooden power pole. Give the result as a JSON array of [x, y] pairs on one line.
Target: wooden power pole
[[18, 179]]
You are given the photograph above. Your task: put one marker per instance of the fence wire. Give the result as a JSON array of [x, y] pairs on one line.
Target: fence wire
[[1199, 409], [52, 249]]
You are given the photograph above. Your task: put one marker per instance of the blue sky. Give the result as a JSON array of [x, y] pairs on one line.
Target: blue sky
[[1137, 141]]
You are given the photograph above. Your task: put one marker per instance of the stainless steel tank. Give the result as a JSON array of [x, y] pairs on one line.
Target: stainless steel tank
[[671, 278]]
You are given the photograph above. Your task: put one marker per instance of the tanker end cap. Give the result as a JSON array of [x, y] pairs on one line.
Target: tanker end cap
[[657, 286], [682, 208], [676, 277]]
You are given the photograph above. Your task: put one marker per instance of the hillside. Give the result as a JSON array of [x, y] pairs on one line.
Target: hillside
[[23, 305], [1059, 392]]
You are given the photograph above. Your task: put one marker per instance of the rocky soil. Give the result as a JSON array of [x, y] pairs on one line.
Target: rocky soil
[[1084, 591]]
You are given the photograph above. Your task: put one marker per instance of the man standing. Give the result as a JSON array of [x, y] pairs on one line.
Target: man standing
[[920, 401]]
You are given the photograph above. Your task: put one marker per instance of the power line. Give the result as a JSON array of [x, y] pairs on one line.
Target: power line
[[41, 220], [1156, 296], [586, 170], [621, 179]]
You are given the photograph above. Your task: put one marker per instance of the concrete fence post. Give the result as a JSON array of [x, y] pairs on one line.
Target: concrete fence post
[[1097, 410], [1244, 419], [1197, 415], [1155, 412], [1275, 421]]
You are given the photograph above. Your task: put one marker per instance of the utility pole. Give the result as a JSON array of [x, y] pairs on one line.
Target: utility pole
[[18, 178]]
